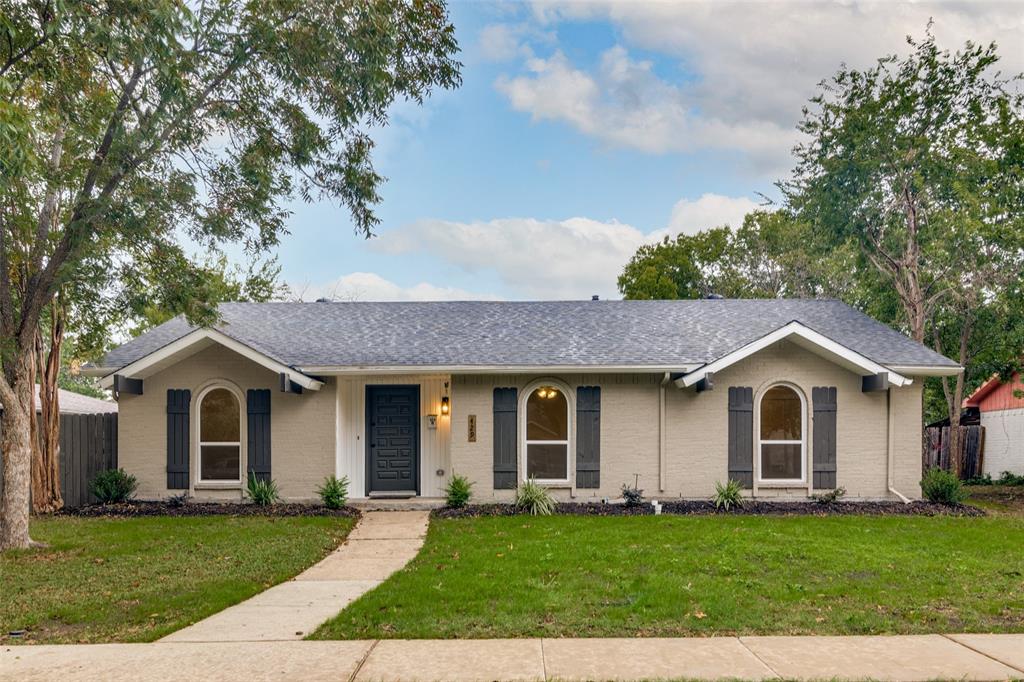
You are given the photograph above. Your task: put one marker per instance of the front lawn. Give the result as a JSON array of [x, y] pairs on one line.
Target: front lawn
[[138, 579], [673, 576]]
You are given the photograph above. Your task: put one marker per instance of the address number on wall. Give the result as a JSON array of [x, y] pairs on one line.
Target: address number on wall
[[472, 428]]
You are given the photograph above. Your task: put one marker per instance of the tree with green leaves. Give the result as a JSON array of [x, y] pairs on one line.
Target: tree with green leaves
[[919, 161], [684, 267], [772, 255], [126, 125]]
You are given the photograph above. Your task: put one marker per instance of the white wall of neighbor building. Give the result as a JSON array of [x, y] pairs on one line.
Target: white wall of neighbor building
[[1004, 441], [351, 430]]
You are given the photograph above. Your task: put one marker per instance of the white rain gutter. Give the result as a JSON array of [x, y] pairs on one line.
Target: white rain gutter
[[662, 435], [891, 447]]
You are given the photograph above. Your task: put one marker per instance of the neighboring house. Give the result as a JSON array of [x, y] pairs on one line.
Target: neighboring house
[[76, 403], [785, 396], [70, 402], [1001, 405]]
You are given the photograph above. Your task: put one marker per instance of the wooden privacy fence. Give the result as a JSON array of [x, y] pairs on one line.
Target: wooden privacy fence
[[966, 462], [88, 445]]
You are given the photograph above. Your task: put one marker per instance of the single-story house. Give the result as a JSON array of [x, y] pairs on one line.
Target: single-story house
[[1001, 405], [788, 397]]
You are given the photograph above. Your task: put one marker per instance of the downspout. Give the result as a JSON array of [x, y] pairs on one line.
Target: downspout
[[891, 447], [662, 436]]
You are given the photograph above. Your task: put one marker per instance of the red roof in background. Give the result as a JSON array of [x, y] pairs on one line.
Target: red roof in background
[[996, 395]]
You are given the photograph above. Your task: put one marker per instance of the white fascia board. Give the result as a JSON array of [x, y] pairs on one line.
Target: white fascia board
[[928, 370], [806, 338], [337, 370], [95, 370], [192, 343]]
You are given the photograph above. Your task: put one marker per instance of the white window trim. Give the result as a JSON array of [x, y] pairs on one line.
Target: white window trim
[[219, 482], [769, 482], [570, 406]]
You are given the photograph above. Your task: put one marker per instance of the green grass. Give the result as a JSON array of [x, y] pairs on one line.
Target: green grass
[[675, 576], [138, 579], [998, 499]]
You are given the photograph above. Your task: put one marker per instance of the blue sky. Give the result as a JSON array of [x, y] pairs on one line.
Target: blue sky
[[584, 130]]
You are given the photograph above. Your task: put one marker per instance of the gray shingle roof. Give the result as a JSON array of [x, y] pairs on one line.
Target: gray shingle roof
[[76, 403], [545, 333]]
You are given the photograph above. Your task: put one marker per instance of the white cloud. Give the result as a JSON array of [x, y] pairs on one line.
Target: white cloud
[[710, 210], [554, 259], [369, 286], [749, 66], [624, 103]]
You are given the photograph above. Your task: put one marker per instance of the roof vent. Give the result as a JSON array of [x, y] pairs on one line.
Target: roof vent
[[715, 297], [595, 297], [323, 300]]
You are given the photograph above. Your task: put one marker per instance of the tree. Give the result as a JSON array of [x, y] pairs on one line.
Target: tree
[[685, 267], [886, 159], [772, 255], [127, 125], [920, 162]]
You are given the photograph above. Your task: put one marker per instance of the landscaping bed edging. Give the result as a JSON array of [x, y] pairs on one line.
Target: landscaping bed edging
[[707, 508], [136, 508]]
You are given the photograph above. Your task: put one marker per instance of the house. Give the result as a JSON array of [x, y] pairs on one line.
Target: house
[[70, 402], [786, 396], [1001, 405]]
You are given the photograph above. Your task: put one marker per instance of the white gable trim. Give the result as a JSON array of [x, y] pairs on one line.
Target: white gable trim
[[194, 342], [807, 338]]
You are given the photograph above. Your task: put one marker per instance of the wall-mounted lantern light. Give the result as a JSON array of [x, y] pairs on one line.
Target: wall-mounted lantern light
[[446, 407]]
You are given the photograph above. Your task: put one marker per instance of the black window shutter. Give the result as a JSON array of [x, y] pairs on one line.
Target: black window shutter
[[588, 437], [823, 400], [505, 438], [178, 438], [258, 444], [741, 435]]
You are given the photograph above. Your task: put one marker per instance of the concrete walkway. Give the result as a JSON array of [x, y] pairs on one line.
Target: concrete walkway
[[380, 544], [911, 658]]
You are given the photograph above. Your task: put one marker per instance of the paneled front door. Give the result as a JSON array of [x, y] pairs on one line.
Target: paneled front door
[[393, 439]]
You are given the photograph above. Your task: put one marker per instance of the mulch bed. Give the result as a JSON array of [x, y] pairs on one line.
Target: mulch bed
[[131, 509], [749, 508]]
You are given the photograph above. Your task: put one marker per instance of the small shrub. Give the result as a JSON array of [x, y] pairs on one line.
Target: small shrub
[[943, 487], [633, 496], [334, 492], [113, 485], [458, 491], [728, 495], [262, 491], [1009, 478], [831, 497], [984, 479], [178, 500], [533, 498]]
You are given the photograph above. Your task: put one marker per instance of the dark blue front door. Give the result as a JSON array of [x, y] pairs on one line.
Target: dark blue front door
[[392, 439]]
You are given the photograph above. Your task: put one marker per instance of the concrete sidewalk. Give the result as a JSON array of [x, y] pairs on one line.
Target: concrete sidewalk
[[912, 657], [380, 544]]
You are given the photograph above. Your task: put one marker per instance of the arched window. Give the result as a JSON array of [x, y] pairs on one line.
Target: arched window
[[220, 436], [547, 434], [782, 435]]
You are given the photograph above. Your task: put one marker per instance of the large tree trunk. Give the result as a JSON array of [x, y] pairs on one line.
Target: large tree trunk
[[46, 495], [15, 443]]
